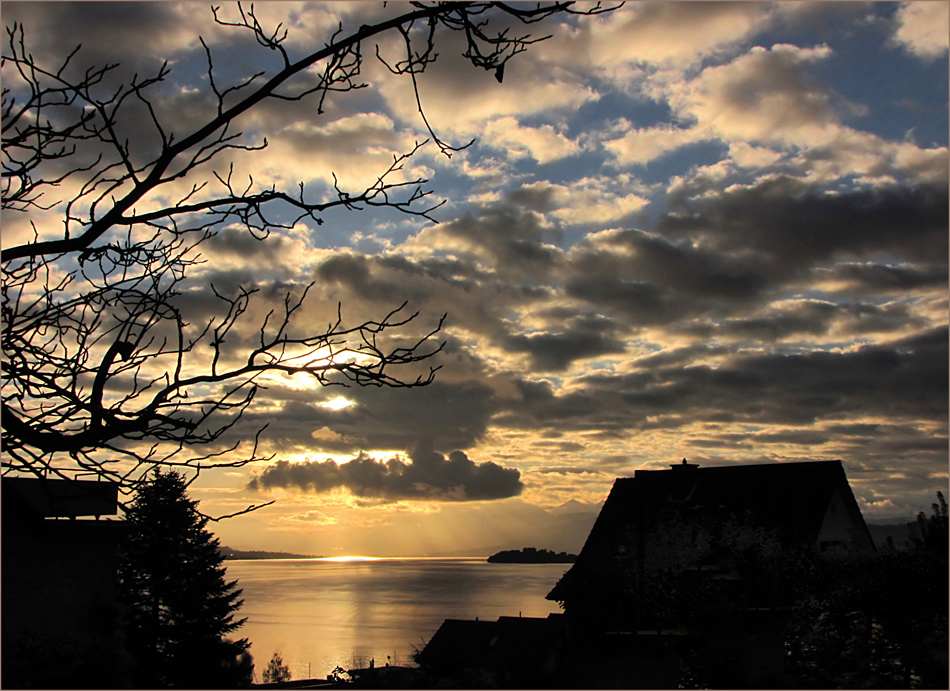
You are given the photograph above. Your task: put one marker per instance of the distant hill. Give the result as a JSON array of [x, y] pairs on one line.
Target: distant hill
[[530, 555], [229, 553]]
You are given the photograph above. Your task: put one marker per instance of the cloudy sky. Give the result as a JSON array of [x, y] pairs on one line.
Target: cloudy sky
[[705, 230]]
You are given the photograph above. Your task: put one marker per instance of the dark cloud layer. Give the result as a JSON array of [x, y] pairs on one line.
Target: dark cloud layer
[[905, 379], [428, 476], [452, 415], [584, 337], [789, 223]]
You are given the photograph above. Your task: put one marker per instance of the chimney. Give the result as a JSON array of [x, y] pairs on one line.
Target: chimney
[[683, 482], [684, 466]]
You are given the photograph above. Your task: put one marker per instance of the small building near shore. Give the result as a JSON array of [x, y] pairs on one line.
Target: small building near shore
[[513, 652], [61, 618]]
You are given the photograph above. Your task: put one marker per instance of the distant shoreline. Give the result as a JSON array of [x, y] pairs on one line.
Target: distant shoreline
[[237, 554], [530, 555]]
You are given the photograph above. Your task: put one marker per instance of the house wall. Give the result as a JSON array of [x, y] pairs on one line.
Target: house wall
[[61, 619], [59, 577], [843, 525]]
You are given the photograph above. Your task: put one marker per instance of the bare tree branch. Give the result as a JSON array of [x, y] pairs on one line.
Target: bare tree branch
[[103, 373]]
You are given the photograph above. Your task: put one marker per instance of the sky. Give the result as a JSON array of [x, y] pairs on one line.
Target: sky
[[714, 231]]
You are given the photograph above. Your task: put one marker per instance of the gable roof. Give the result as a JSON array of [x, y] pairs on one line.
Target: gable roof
[[461, 643], [40, 497], [790, 499]]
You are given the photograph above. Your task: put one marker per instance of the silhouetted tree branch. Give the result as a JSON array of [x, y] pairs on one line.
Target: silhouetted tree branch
[[102, 371]]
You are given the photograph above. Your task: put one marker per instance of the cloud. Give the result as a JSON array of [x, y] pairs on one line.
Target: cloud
[[460, 98], [788, 223], [790, 320], [599, 200], [510, 238], [922, 28], [640, 146], [139, 34], [672, 32], [760, 96], [544, 144], [308, 519], [870, 278], [453, 414], [584, 337], [765, 104], [649, 279], [427, 476], [665, 235], [356, 148], [902, 379]]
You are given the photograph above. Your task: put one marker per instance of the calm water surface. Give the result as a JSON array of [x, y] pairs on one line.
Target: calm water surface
[[321, 613]]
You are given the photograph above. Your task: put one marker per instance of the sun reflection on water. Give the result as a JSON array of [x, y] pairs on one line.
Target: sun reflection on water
[[350, 558]]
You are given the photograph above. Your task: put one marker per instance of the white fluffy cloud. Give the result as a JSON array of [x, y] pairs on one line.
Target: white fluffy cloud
[[923, 28], [598, 200], [640, 146], [543, 144], [673, 32], [761, 96]]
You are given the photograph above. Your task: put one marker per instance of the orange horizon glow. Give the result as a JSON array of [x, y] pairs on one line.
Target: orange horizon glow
[[350, 558]]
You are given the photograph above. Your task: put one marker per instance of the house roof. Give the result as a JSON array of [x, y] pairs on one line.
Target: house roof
[[790, 499], [60, 498], [464, 643]]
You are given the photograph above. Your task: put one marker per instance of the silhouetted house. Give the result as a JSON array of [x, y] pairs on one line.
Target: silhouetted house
[[517, 652], [673, 545], [373, 677], [60, 612]]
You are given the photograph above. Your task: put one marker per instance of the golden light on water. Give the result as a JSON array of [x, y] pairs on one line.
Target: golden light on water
[[351, 558]]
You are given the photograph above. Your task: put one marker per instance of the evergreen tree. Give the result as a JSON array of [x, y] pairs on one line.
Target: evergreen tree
[[180, 606]]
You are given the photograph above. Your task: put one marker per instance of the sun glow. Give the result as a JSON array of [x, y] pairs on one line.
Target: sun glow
[[351, 558], [338, 403]]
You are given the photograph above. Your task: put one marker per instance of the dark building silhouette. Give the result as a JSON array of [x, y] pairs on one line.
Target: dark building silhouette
[[702, 552], [513, 652], [801, 504], [60, 614], [690, 577]]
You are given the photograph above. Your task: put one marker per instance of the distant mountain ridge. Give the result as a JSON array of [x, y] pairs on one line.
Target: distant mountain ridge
[[530, 555], [229, 553]]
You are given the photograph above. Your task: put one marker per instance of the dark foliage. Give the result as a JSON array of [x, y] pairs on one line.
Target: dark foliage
[[871, 621], [276, 670], [731, 606], [181, 607]]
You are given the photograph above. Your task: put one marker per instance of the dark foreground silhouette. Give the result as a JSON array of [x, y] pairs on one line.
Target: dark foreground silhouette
[[724, 577]]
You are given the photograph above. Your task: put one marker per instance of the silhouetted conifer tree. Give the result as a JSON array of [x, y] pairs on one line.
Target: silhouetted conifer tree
[[180, 605]]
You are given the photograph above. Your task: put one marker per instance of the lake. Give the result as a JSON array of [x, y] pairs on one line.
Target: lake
[[321, 613]]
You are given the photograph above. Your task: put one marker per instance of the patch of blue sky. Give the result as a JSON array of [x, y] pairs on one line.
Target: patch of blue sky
[[605, 365], [341, 226], [599, 114], [679, 161], [563, 171], [454, 186], [914, 101]]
